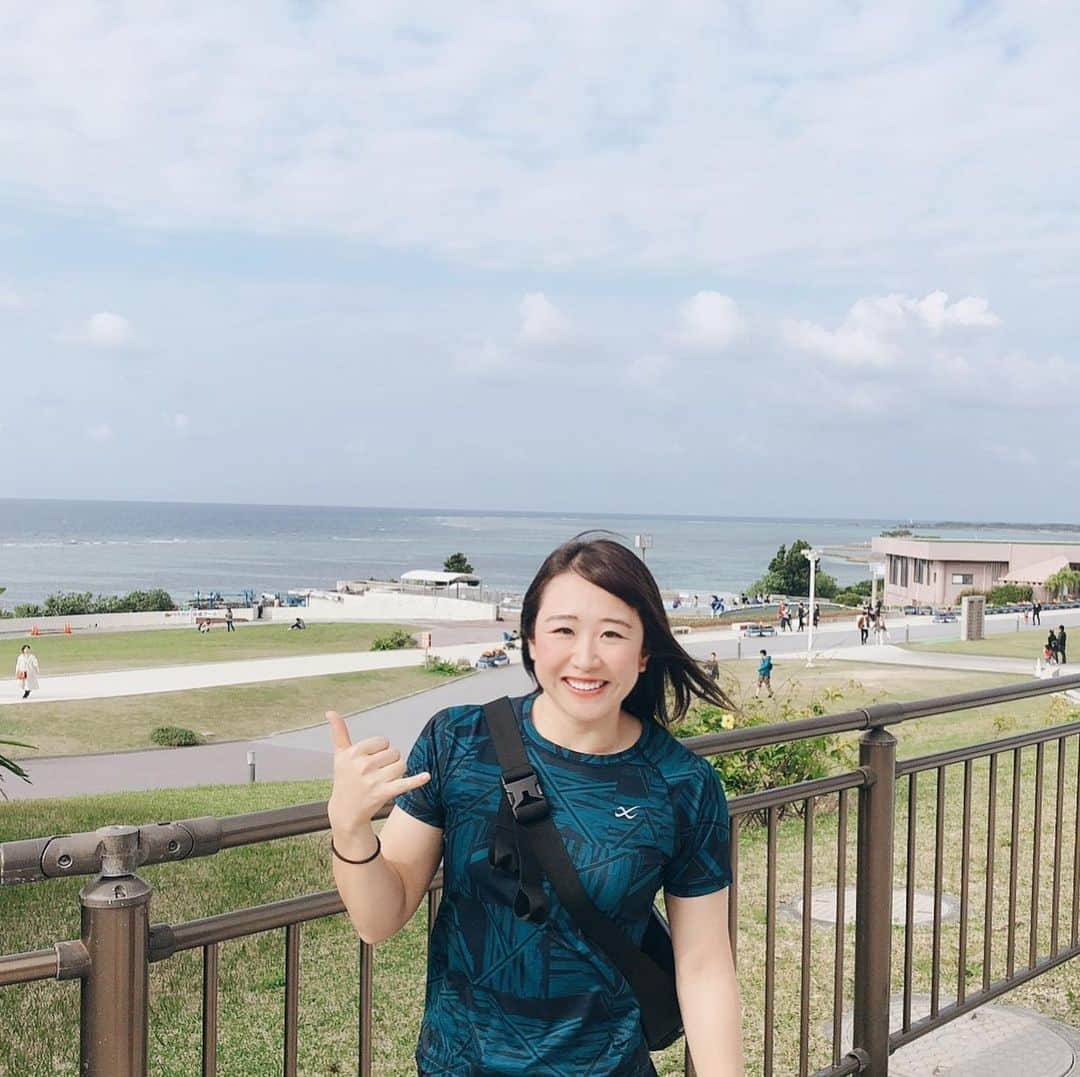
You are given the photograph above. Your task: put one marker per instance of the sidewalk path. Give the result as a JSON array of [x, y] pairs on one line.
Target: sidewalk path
[[141, 682], [301, 754]]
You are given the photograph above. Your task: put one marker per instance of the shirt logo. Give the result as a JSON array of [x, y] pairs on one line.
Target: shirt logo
[[627, 813]]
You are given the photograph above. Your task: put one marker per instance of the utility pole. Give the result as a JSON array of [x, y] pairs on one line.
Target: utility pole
[[813, 556], [643, 543]]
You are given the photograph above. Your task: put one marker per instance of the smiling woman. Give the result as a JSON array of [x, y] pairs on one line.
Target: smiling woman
[[635, 810]]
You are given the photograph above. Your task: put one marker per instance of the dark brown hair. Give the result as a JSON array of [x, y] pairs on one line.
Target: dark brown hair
[[672, 678]]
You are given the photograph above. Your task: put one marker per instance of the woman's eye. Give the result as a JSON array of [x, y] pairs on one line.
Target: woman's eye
[[613, 634]]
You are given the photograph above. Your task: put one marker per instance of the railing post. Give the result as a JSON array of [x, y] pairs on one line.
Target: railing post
[[873, 904], [115, 932]]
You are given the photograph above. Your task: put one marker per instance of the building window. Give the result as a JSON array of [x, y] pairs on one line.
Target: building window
[[904, 571], [964, 579], [920, 573]]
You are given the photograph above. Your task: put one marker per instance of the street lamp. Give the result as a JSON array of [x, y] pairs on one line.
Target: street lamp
[[813, 556]]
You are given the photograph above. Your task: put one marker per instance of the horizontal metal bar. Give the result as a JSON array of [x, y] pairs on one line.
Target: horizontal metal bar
[[880, 714], [853, 1062], [37, 859], [787, 794], [64, 961], [987, 748], [953, 1010], [168, 939]]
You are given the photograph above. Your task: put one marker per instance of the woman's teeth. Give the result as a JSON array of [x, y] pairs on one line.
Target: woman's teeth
[[585, 686]]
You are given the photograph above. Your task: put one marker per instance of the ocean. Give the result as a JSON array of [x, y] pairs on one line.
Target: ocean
[[111, 547]]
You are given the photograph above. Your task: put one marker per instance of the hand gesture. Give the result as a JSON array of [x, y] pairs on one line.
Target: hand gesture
[[367, 775]]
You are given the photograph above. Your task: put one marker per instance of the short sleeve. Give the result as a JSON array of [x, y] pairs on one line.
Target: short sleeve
[[702, 860], [425, 803]]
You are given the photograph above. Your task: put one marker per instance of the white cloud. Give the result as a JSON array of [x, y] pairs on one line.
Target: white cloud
[[540, 319], [560, 134], [10, 299], [709, 321], [181, 422], [101, 433], [878, 330], [109, 331]]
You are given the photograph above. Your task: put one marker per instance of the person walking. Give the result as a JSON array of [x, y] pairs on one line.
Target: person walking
[[712, 666], [816, 615], [26, 671], [864, 629], [764, 674], [1061, 639], [1036, 613], [514, 985], [229, 625], [801, 613]]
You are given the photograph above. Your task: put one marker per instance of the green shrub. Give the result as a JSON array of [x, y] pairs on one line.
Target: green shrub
[[1005, 594], [29, 609], [772, 765], [171, 736], [850, 598], [398, 640], [444, 666], [73, 603]]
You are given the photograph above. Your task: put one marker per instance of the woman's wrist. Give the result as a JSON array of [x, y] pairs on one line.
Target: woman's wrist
[[355, 843]]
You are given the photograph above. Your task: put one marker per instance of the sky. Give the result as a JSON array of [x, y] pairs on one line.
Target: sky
[[728, 258]]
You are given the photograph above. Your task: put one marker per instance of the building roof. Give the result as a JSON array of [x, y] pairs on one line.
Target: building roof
[[442, 579], [1038, 572]]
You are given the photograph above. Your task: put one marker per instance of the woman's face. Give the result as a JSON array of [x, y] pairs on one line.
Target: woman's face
[[587, 648]]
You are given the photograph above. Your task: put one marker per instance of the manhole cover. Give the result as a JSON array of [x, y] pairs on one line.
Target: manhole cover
[[992, 1041], [823, 907]]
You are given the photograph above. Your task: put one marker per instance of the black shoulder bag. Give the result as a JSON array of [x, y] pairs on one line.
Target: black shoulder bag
[[527, 842]]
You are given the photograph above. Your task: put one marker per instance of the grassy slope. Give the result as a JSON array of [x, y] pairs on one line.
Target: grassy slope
[[252, 989], [83, 653], [1026, 644], [229, 713]]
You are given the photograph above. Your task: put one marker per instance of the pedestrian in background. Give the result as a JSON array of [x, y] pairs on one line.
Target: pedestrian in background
[[1061, 638], [229, 626], [1036, 613], [764, 674], [26, 670]]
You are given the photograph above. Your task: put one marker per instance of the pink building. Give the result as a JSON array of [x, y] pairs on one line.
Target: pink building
[[933, 572]]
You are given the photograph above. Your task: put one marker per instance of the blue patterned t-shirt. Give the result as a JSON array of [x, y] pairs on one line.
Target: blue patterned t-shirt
[[505, 996]]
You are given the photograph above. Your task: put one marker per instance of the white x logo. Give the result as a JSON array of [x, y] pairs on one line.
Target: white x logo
[[627, 813]]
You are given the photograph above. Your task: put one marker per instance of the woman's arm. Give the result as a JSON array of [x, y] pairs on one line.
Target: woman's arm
[[382, 896], [706, 983], [383, 892]]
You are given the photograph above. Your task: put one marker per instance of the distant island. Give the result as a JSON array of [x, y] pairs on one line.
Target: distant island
[[968, 525]]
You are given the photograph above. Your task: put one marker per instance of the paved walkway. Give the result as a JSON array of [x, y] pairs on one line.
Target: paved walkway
[[305, 753]]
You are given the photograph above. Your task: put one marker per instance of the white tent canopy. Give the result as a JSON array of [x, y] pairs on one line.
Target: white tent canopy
[[438, 579]]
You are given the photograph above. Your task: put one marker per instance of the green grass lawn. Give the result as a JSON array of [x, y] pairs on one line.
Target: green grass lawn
[[234, 712], [93, 651], [252, 984], [1026, 644]]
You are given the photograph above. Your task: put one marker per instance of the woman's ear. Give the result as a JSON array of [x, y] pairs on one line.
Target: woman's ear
[[643, 663]]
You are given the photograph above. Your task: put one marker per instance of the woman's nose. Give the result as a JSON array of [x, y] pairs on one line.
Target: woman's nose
[[584, 651]]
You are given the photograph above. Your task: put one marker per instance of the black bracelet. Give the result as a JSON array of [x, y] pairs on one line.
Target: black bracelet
[[366, 860]]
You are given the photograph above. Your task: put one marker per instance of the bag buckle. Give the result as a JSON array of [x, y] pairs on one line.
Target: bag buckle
[[526, 798]]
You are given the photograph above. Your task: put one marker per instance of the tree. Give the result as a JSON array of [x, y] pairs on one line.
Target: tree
[[1065, 581], [457, 562], [789, 574]]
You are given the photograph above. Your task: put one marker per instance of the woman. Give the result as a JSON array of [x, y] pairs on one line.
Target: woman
[[26, 671], [637, 812]]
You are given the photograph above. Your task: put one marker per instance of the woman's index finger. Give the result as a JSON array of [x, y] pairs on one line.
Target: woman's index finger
[[339, 731]]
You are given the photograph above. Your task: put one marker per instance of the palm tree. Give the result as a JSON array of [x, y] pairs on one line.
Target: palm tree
[[11, 765]]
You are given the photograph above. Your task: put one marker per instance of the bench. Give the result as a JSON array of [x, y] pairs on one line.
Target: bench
[[681, 630]]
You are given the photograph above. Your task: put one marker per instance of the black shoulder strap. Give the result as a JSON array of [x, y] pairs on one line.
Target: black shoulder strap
[[532, 817]]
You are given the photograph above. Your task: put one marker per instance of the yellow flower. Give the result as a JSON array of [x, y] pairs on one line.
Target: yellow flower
[[728, 721]]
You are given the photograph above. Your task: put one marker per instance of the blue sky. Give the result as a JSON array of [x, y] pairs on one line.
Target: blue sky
[[620, 257]]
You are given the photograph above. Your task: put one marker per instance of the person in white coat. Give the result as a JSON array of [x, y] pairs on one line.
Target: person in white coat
[[26, 670]]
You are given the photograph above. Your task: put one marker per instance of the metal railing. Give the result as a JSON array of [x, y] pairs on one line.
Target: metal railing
[[118, 943]]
